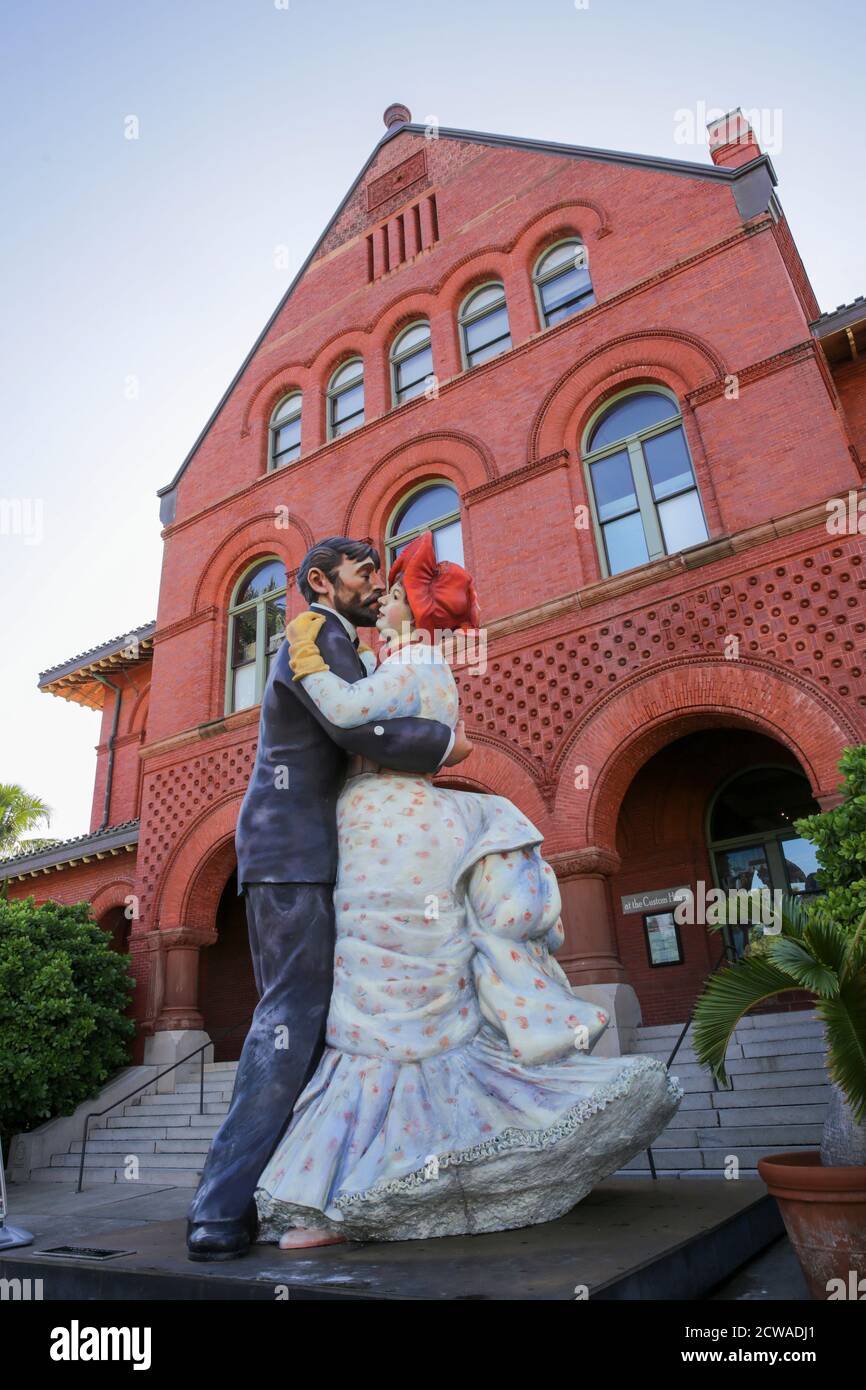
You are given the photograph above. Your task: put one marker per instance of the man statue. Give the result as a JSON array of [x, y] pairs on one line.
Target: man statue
[[287, 864]]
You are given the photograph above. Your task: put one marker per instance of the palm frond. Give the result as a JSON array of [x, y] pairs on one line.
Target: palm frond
[[805, 971], [845, 1021], [729, 994], [828, 944]]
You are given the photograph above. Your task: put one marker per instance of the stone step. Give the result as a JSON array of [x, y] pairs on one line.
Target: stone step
[[757, 1097], [210, 1069], [179, 1099], [184, 1146], [192, 1089], [696, 1100], [175, 1177], [666, 1158], [136, 1141], [697, 1079], [693, 1077], [116, 1160], [649, 1047], [685, 1119], [672, 1138], [774, 1078], [746, 1174], [809, 1028], [713, 1158], [150, 1112], [150, 1176], [778, 1137], [748, 1156], [135, 1145], [806, 1047], [727, 1117], [754, 1020], [174, 1119], [64, 1175]]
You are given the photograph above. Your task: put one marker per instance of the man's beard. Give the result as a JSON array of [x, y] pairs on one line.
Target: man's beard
[[351, 607]]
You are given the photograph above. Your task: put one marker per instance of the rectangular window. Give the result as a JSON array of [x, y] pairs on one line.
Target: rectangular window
[[487, 337], [646, 500], [287, 442], [410, 375], [348, 409]]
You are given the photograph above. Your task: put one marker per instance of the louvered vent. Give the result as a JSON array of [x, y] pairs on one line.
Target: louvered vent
[[414, 229]]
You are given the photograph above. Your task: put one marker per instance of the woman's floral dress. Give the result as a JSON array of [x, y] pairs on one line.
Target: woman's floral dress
[[456, 1092]]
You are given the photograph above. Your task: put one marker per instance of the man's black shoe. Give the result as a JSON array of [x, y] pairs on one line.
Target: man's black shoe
[[221, 1240]]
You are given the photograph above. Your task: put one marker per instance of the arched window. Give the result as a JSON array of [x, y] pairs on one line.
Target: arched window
[[484, 330], [642, 486], [411, 362], [751, 836], [346, 398], [257, 618], [430, 507], [562, 283], [286, 432]]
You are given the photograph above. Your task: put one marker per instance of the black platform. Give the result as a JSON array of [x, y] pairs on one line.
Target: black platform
[[631, 1238]]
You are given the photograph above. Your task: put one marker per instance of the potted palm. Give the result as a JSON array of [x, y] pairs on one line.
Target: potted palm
[[819, 947]]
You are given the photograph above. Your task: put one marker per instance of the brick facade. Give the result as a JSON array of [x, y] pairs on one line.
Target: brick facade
[[583, 672]]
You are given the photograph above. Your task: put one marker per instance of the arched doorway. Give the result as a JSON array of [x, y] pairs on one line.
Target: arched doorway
[[751, 837], [117, 926], [709, 810], [227, 987]]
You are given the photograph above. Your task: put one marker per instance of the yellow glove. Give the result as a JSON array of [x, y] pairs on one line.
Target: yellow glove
[[304, 655]]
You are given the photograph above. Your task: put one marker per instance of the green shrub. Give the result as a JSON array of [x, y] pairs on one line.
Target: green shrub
[[839, 837], [63, 993]]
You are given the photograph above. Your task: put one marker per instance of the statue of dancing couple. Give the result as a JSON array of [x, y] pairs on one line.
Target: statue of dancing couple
[[418, 1064]]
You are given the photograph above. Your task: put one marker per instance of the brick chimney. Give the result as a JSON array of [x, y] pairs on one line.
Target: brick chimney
[[732, 140]]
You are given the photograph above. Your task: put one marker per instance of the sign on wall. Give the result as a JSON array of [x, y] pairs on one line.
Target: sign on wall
[[653, 900]]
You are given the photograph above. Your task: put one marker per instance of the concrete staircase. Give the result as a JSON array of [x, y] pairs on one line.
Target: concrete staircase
[[776, 1102], [163, 1132]]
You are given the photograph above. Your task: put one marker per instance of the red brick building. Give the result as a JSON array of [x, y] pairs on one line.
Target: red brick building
[[604, 379]]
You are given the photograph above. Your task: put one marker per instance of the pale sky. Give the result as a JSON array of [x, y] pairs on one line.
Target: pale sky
[[137, 273]]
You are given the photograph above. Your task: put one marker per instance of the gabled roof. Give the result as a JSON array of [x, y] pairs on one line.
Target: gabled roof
[[748, 182], [842, 332], [98, 844], [841, 317], [77, 679]]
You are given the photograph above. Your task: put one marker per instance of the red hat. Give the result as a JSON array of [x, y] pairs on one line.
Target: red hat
[[441, 594]]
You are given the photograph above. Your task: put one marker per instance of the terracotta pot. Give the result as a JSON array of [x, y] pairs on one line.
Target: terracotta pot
[[824, 1211]]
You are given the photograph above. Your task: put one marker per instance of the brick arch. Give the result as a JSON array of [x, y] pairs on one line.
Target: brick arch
[[138, 718], [642, 715], [196, 873], [683, 359], [257, 535], [507, 772], [340, 348], [487, 263], [571, 217], [111, 895], [400, 311], [464, 460], [293, 376]]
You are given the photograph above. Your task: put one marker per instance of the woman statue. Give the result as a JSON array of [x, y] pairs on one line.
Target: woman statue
[[456, 1093]]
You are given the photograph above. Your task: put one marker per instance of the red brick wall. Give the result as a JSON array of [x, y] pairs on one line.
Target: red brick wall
[[126, 776], [850, 381], [661, 840], [688, 297]]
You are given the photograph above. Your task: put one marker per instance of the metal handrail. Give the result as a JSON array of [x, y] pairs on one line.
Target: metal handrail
[[686, 1026], [95, 1114]]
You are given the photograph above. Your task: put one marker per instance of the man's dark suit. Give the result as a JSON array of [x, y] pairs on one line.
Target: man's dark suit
[[286, 842]]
